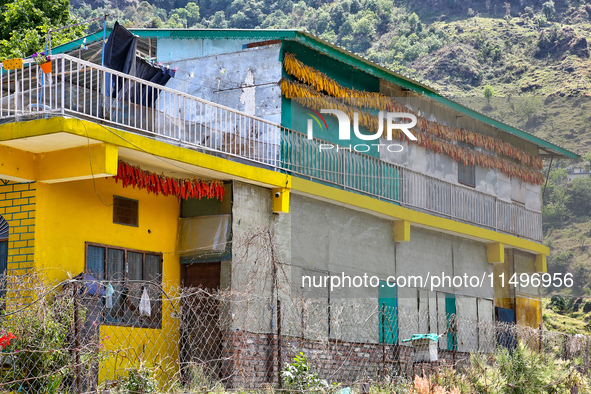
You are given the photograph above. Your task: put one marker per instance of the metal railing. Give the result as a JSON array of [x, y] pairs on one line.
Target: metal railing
[[85, 90], [368, 175]]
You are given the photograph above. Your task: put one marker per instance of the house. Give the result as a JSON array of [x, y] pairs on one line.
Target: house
[[578, 171], [233, 125]]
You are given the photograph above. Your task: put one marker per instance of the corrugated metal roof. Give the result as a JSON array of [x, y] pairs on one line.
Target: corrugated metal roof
[[348, 57]]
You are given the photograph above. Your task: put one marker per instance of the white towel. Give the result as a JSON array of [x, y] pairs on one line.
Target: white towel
[[109, 291], [145, 308]]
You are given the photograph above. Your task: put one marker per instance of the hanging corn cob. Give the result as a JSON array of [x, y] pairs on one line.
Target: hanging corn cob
[[362, 99], [311, 98]]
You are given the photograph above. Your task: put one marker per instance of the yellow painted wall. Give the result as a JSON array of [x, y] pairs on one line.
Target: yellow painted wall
[[528, 311], [70, 214]]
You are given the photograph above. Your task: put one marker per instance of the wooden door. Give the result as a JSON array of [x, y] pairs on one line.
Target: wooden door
[[201, 339]]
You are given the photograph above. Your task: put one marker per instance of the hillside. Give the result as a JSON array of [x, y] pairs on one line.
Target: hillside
[[532, 57]]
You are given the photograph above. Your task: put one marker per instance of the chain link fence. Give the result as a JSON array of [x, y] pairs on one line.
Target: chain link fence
[[85, 336]]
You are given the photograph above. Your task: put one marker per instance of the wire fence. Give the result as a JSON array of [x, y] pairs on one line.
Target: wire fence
[[86, 336]]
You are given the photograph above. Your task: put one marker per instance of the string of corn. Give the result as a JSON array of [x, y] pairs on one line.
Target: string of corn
[[310, 98], [362, 99]]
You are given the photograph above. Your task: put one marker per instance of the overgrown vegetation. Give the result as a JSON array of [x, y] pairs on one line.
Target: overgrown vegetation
[[507, 371], [299, 378], [39, 348]]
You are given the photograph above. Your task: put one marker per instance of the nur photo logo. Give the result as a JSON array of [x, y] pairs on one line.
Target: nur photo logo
[[392, 122]]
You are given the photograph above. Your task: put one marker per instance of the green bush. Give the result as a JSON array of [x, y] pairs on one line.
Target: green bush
[[40, 357], [523, 371], [298, 377], [138, 381]]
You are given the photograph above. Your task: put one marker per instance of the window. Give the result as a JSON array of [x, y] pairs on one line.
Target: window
[[129, 272], [466, 174], [125, 211]]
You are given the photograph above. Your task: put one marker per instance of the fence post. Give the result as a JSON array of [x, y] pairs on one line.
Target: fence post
[[541, 332], [454, 339], [63, 75], [383, 340], [279, 360], [77, 339]]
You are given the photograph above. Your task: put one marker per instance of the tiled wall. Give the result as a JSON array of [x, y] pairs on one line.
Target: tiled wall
[[17, 206]]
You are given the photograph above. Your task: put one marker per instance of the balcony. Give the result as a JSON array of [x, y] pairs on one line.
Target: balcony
[[85, 90]]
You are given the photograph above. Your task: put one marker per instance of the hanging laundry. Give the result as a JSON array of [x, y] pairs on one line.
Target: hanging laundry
[[145, 308], [109, 291]]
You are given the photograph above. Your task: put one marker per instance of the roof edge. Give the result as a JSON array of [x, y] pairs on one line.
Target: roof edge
[[330, 49]]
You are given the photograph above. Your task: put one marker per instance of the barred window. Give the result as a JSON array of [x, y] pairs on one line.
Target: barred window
[[125, 211], [129, 272]]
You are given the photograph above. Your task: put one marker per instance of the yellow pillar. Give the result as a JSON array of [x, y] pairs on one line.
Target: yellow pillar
[[495, 252], [401, 230]]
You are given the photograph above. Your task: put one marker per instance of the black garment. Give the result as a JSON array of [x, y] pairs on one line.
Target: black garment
[[120, 50], [120, 55], [151, 73]]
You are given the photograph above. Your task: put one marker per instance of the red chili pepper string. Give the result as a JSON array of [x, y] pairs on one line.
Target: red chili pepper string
[[160, 184]]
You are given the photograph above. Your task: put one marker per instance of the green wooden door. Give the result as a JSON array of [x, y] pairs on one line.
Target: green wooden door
[[450, 309], [388, 299]]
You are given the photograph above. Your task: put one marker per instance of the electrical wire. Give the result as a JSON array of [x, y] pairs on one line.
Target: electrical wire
[[91, 170]]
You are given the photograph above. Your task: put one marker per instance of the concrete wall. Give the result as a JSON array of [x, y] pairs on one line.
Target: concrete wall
[[222, 72], [70, 214], [172, 50], [318, 238]]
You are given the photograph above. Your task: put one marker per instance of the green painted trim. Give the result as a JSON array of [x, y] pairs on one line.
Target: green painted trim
[[70, 46], [507, 128]]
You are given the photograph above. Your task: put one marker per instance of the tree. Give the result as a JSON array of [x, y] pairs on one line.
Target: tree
[[488, 93], [557, 211], [363, 34], [323, 22], [337, 14], [579, 193], [218, 21], [192, 14], [413, 20], [24, 25], [528, 107], [548, 9]]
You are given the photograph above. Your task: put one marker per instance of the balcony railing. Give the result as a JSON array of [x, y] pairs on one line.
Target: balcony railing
[[386, 181], [86, 90]]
